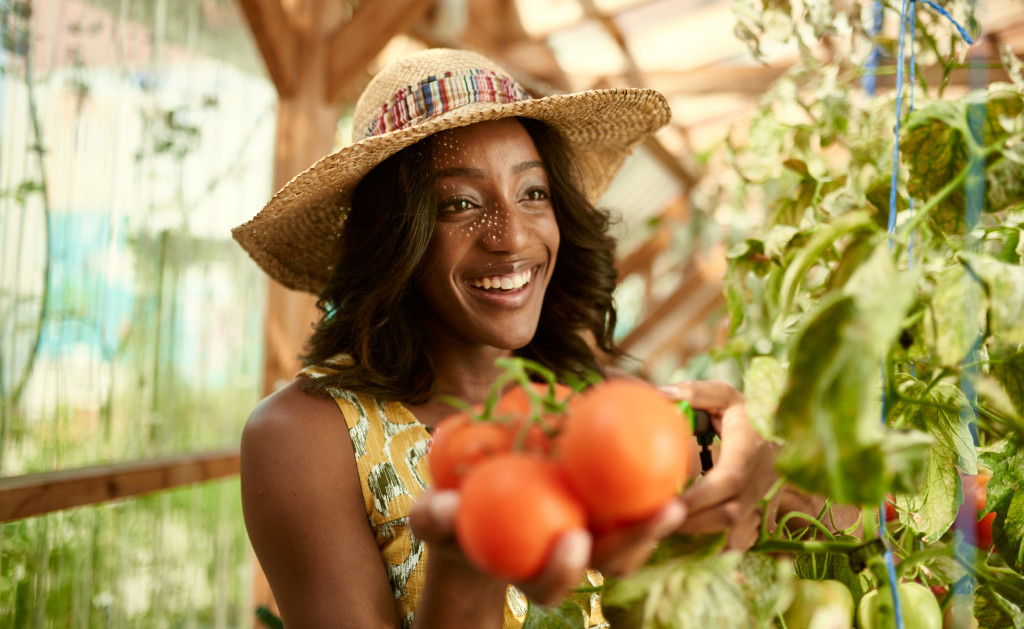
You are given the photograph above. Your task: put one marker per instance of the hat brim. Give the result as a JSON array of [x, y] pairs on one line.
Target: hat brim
[[294, 238]]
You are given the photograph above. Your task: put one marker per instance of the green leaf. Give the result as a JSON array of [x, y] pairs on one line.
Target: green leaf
[[1005, 284], [934, 150], [763, 382], [957, 315], [567, 615], [992, 396], [766, 581], [832, 443], [810, 254], [829, 413], [883, 295], [725, 591], [268, 618], [1006, 498], [1007, 366], [993, 610], [942, 137], [944, 413]]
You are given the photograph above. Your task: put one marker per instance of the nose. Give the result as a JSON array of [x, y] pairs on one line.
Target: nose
[[506, 228]]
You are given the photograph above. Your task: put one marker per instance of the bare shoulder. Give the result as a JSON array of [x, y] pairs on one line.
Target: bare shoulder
[[289, 418]]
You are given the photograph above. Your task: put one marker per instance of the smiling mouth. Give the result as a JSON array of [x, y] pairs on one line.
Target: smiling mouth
[[503, 283]]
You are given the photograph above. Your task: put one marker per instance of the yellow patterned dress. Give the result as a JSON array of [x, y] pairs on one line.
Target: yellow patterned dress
[[390, 448]]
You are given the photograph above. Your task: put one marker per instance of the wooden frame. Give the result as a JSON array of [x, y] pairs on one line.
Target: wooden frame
[[45, 492]]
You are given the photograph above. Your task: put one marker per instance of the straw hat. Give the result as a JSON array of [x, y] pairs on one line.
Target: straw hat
[[295, 237]]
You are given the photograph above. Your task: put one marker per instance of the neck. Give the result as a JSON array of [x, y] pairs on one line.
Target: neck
[[462, 373]]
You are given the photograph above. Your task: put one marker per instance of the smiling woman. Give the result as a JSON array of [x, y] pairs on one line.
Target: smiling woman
[[459, 230]]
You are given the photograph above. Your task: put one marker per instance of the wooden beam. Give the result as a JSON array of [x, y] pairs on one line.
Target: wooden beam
[[34, 494], [356, 42], [678, 341], [691, 283], [276, 39]]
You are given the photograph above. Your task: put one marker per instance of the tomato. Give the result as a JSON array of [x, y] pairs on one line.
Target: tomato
[[512, 509], [517, 402], [825, 603], [459, 443], [515, 407], [891, 515], [625, 449], [918, 608], [974, 497], [959, 613]]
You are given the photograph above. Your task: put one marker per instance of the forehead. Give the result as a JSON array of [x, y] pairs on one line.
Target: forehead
[[495, 138]]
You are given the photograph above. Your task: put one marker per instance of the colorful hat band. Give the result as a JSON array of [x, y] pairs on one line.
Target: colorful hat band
[[436, 95]]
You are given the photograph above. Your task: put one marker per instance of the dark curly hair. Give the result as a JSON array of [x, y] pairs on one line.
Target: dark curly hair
[[369, 303]]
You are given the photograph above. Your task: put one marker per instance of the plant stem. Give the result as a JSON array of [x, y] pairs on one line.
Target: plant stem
[[812, 546]]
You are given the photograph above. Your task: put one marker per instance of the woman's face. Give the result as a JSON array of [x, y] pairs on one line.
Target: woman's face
[[495, 240]]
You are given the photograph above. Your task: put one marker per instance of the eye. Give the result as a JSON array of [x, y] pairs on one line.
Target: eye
[[454, 205], [537, 193]]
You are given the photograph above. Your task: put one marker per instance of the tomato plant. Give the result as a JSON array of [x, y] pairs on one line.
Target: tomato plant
[[918, 608], [626, 450], [512, 509], [819, 603]]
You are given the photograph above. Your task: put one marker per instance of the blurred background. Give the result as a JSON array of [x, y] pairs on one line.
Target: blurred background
[[136, 336]]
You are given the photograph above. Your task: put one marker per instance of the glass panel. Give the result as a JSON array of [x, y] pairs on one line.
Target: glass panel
[[133, 139], [177, 558], [133, 135]]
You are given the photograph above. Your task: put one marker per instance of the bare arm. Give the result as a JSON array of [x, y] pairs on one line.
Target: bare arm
[[305, 516]]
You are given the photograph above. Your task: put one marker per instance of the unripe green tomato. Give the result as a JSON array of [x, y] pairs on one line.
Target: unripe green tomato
[[825, 604], [919, 608]]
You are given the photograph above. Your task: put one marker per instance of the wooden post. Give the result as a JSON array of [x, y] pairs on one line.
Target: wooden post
[[312, 50]]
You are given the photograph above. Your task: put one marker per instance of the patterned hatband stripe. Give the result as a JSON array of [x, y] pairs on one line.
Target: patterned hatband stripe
[[436, 95]]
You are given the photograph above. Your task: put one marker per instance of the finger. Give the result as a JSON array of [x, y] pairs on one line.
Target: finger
[[563, 570], [714, 520], [624, 549], [432, 517], [713, 396], [745, 534], [721, 485]]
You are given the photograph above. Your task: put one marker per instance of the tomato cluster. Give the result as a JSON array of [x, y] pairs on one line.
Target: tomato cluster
[[975, 495], [611, 455]]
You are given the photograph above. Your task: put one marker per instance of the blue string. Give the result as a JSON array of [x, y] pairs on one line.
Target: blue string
[[908, 14], [870, 78], [944, 13]]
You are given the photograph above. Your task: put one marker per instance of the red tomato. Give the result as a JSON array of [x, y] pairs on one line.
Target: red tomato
[[891, 515], [517, 402], [459, 443], [515, 407], [512, 509], [626, 450], [974, 497]]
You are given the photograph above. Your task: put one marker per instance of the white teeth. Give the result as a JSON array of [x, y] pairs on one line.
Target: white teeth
[[504, 282]]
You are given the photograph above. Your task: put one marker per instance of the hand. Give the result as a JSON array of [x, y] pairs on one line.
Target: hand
[[618, 552], [727, 497], [432, 519]]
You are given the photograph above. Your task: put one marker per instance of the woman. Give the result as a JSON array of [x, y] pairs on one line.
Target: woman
[[457, 230]]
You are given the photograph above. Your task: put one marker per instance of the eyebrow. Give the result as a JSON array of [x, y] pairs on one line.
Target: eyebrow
[[479, 174]]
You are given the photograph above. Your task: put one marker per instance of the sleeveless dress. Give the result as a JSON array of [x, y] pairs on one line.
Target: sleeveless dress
[[390, 448]]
